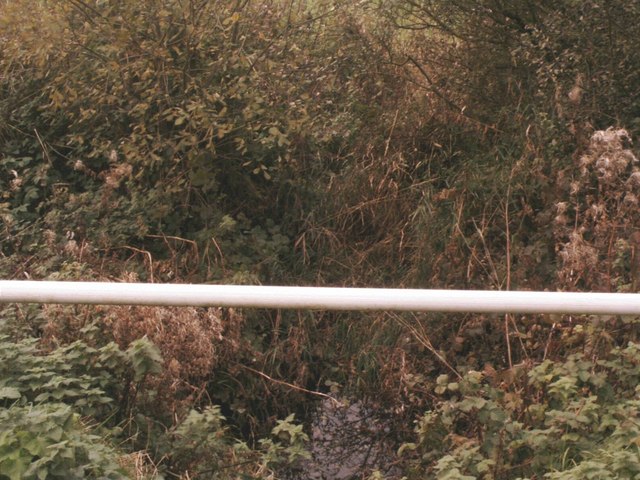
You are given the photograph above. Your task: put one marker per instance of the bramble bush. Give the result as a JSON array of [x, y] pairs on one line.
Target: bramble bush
[[576, 418]]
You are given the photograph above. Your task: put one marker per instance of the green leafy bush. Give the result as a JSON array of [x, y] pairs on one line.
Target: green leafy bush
[[69, 374], [168, 120], [577, 418], [201, 445], [44, 395], [92, 380], [49, 441]]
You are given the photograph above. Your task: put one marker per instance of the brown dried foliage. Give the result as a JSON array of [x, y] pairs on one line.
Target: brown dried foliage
[[186, 338], [595, 227]]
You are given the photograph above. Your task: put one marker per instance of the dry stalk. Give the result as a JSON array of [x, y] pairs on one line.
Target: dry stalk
[[290, 385], [148, 258], [393, 127], [507, 316], [423, 339], [45, 152], [472, 250]]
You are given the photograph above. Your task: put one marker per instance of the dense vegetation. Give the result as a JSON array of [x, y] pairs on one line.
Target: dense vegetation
[[400, 143]]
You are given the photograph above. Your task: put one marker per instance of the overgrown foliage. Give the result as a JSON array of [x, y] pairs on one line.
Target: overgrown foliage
[[422, 143], [571, 419]]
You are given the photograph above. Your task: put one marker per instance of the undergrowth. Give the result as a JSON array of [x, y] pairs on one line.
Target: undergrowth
[[401, 144]]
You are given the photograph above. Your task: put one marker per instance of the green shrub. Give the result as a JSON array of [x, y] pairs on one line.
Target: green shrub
[[49, 441], [578, 418], [202, 445], [59, 408]]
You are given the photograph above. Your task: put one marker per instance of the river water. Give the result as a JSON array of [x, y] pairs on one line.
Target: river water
[[349, 442]]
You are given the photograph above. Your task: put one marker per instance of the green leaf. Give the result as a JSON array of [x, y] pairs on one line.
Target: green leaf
[[10, 393], [145, 358], [14, 468], [406, 446]]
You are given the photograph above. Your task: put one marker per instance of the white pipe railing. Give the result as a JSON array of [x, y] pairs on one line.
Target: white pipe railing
[[318, 298]]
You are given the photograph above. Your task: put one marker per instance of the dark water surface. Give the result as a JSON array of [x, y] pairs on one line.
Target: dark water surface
[[349, 442]]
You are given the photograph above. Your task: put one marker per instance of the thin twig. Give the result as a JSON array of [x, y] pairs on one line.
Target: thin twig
[[433, 88], [393, 127], [148, 255], [507, 316], [423, 338], [546, 347], [45, 153], [487, 252], [290, 385]]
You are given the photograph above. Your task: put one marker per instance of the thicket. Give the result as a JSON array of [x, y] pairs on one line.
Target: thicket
[[404, 143]]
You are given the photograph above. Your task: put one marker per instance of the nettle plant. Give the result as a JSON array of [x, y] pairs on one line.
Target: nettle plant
[[56, 407], [597, 226]]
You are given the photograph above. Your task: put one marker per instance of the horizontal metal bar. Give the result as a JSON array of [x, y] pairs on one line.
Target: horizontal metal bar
[[318, 298]]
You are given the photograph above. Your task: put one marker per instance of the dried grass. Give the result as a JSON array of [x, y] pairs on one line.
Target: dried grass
[[186, 337], [139, 465]]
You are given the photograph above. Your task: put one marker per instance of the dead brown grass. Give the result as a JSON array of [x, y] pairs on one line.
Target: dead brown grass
[[187, 338]]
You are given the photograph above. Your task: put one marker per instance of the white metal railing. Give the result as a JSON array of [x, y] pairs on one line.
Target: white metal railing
[[318, 298]]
